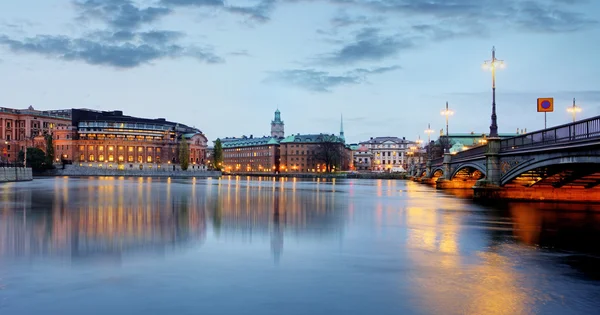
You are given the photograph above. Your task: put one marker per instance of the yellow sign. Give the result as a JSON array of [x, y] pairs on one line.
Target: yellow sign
[[545, 105]]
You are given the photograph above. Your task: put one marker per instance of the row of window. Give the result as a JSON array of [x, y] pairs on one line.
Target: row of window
[[120, 148], [228, 154], [120, 158]]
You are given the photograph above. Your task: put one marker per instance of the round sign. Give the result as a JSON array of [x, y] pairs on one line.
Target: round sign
[[545, 104]]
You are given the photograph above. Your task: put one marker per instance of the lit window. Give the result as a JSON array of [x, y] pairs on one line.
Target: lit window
[[101, 148], [149, 149], [111, 158], [81, 148], [91, 159], [81, 157], [91, 148], [149, 159], [120, 148], [130, 158], [121, 159], [140, 159], [140, 149], [111, 148], [101, 158], [130, 149]]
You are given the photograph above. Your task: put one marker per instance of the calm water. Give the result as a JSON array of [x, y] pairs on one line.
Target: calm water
[[249, 246]]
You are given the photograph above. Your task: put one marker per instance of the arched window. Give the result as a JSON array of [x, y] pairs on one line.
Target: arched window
[[101, 158], [91, 159], [111, 158], [149, 159], [121, 158]]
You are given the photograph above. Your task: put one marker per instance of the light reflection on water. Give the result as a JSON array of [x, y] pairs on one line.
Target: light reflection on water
[[237, 245]]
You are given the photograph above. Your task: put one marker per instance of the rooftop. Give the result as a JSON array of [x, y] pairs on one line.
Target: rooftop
[[311, 138], [248, 142]]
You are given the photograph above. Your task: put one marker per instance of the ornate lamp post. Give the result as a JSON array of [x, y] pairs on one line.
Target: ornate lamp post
[[447, 112], [574, 110], [492, 65]]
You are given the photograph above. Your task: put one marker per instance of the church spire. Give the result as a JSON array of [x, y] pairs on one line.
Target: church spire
[[342, 127]]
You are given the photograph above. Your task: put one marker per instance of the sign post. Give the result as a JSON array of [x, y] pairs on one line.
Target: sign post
[[545, 105]]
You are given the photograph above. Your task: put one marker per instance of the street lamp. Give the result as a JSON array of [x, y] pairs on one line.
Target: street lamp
[[492, 65], [574, 109], [447, 112]]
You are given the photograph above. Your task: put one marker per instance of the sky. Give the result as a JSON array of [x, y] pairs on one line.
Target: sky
[[389, 66]]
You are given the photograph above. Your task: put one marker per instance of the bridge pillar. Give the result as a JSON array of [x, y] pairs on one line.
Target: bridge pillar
[[489, 187], [428, 169], [447, 167]]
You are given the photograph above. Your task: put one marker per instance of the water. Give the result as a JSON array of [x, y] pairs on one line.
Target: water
[[269, 246]]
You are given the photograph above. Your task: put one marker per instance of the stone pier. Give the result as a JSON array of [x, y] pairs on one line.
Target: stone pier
[[15, 174]]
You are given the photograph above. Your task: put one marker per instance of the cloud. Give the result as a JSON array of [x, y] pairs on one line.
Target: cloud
[[343, 19], [323, 81], [119, 14], [258, 13], [119, 55], [197, 3], [368, 45], [536, 17]]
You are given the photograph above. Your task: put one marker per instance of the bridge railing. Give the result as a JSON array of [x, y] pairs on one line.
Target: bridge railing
[[437, 161], [469, 153], [580, 130]]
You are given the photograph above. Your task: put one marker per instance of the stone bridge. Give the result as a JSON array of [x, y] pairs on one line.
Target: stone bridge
[[559, 163]]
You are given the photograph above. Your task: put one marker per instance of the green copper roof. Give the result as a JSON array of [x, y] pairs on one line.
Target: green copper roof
[[312, 138], [249, 142]]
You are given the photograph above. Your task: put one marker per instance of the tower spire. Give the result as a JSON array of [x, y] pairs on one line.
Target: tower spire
[[342, 126]]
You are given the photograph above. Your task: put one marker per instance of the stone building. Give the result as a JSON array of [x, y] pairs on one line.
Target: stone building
[[386, 154], [249, 154], [114, 140], [303, 153], [21, 128], [103, 139]]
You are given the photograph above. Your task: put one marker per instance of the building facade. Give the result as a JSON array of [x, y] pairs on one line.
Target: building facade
[[390, 154], [106, 139], [250, 155], [22, 128], [305, 153]]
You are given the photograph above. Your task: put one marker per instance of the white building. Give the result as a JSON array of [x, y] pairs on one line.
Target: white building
[[388, 153]]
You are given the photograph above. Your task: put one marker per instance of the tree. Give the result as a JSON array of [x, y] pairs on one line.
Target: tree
[[438, 148], [49, 151], [218, 154], [36, 159], [329, 151], [184, 154]]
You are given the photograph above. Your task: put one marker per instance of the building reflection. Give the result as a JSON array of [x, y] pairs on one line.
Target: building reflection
[[107, 217], [275, 209]]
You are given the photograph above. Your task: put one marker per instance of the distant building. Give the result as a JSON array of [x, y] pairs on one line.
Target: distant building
[[249, 154], [21, 128], [386, 154], [463, 141], [104, 139], [277, 126], [295, 153]]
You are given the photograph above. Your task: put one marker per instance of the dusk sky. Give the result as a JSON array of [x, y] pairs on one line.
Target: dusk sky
[[225, 67]]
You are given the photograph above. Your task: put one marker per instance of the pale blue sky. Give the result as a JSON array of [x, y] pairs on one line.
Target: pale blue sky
[[224, 67]]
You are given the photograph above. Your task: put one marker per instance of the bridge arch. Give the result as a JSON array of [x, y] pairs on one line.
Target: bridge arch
[[437, 172], [468, 166], [521, 169]]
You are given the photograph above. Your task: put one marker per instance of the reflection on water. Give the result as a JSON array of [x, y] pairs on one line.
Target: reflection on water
[[237, 245]]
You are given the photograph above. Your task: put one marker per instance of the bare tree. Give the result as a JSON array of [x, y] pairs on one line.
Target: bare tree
[[330, 151]]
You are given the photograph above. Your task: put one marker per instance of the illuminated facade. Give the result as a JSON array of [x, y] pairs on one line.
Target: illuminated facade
[[302, 153], [249, 154], [111, 139], [20, 128], [386, 154], [101, 138]]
